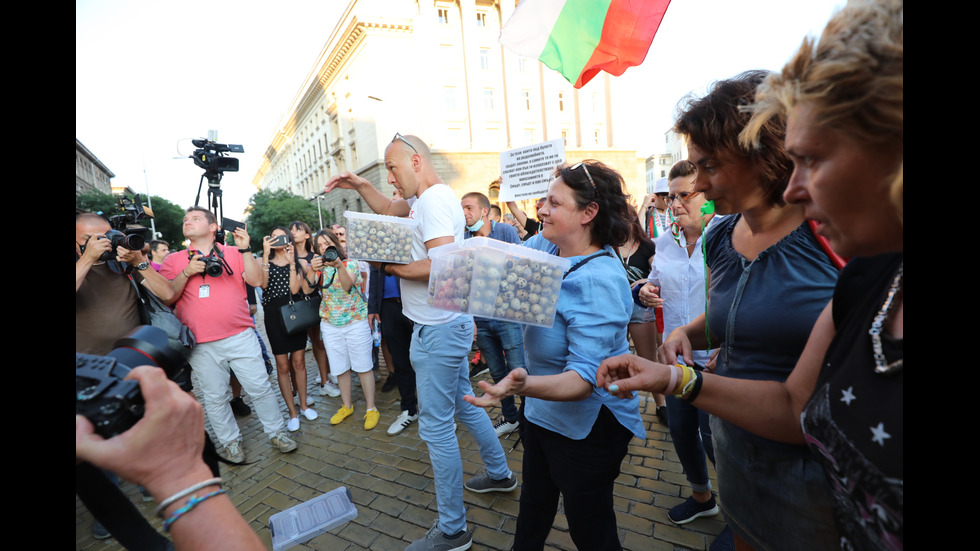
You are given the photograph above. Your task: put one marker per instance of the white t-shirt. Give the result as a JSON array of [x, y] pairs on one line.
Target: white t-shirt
[[439, 214]]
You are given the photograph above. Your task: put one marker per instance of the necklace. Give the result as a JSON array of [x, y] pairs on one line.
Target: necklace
[[882, 367]]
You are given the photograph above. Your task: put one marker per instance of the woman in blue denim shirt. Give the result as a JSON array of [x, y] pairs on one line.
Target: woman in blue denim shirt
[[576, 435]]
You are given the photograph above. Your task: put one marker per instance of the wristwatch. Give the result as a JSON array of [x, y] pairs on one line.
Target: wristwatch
[[142, 265]]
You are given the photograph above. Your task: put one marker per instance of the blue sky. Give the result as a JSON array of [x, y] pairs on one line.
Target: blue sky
[[149, 76]]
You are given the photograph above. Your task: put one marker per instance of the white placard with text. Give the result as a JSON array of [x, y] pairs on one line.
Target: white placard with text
[[526, 171]]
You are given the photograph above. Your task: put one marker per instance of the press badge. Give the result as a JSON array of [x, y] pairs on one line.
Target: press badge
[[204, 291]]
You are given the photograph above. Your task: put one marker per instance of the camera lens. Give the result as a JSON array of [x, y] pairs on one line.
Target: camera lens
[[330, 254]]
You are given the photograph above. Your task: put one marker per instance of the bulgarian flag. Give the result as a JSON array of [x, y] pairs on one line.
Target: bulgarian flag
[[579, 38]]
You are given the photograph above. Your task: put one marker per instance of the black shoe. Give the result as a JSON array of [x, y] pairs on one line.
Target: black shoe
[[479, 369], [240, 408], [662, 414], [389, 384]]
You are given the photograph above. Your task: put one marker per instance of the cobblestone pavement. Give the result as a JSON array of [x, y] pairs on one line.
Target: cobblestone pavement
[[391, 481]]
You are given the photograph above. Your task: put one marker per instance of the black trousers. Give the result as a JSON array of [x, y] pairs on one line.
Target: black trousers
[[583, 473], [397, 331]]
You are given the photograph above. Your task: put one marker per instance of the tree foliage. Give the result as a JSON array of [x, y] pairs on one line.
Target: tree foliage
[[268, 209], [95, 201], [168, 218]]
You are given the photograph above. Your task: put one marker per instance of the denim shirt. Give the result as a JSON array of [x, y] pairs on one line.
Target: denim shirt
[[594, 308]]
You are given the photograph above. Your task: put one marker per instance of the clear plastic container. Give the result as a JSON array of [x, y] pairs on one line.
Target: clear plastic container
[[307, 520], [379, 238], [491, 279]]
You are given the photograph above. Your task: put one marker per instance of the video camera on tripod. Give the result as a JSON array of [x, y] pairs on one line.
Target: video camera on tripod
[[212, 157]]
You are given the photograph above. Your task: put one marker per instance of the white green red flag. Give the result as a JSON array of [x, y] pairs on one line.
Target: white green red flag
[[579, 38]]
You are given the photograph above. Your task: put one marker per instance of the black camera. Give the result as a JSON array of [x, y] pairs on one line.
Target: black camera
[[211, 157], [330, 254], [126, 231], [212, 266], [111, 403]]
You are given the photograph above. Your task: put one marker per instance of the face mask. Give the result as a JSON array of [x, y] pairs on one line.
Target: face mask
[[476, 227]]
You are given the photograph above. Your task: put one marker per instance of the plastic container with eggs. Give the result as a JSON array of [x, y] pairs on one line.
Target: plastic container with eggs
[[491, 279], [379, 238]]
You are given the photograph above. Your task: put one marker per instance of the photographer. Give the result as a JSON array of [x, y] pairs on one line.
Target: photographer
[[210, 299], [107, 306], [106, 301], [162, 452]]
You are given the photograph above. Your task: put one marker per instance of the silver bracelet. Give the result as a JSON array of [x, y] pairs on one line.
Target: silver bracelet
[[187, 491]]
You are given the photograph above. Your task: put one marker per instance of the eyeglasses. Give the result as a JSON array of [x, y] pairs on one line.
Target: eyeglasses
[[591, 181], [684, 196], [402, 138]]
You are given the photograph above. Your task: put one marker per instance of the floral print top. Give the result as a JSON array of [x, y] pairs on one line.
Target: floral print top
[[339, 307]]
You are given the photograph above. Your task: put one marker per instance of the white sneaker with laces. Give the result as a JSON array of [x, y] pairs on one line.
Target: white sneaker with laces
[[401, 422], [505, 427], [329, 389]]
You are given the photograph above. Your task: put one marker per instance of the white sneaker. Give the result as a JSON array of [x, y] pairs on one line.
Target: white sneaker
[[332, 378], [318, 380], [310, 414], [310, 400], [293, 424], [401, 422], [329, 389], [504, 427]]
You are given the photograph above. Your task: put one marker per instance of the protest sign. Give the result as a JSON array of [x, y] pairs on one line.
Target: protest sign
[[525, 172]]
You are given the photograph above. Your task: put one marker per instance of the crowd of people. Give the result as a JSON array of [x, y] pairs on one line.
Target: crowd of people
[[761, 287]]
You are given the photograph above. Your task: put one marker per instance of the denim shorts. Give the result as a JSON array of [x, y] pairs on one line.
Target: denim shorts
[[642, 315], [775, 496]]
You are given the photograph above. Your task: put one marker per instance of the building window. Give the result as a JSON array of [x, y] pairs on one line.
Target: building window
[[526, 97], [443, 14], [450, 95], [561, 101], [485, 59], [522, 64], [528, 136], [481, 19], [488, 99], [564, 137], [596, 136]]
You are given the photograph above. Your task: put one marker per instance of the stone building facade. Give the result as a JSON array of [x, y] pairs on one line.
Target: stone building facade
[[432, 68]]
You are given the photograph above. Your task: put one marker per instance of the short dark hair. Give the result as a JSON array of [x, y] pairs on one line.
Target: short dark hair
[[155, 244], [495, 208], [681, 169], [481, 199], [611, 225], [207, 214], [713, 123]]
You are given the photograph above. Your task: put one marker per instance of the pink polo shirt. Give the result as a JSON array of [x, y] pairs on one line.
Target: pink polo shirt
[[224, 311]]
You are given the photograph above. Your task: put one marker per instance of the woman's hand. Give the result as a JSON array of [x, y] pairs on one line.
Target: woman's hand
[[621, 375], [677, 344], [266, 246], [511, 385], [317, 263], [650, 295]]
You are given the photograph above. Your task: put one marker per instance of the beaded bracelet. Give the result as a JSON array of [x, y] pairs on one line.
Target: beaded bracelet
[[191, 503], [186, 491]]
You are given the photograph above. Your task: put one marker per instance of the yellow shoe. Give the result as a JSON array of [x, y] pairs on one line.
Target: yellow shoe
[[371, 419], [343, 413]]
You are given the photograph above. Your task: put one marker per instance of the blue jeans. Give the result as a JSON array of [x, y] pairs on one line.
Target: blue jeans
[[691, 433], [502, 346], [439, 354]]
